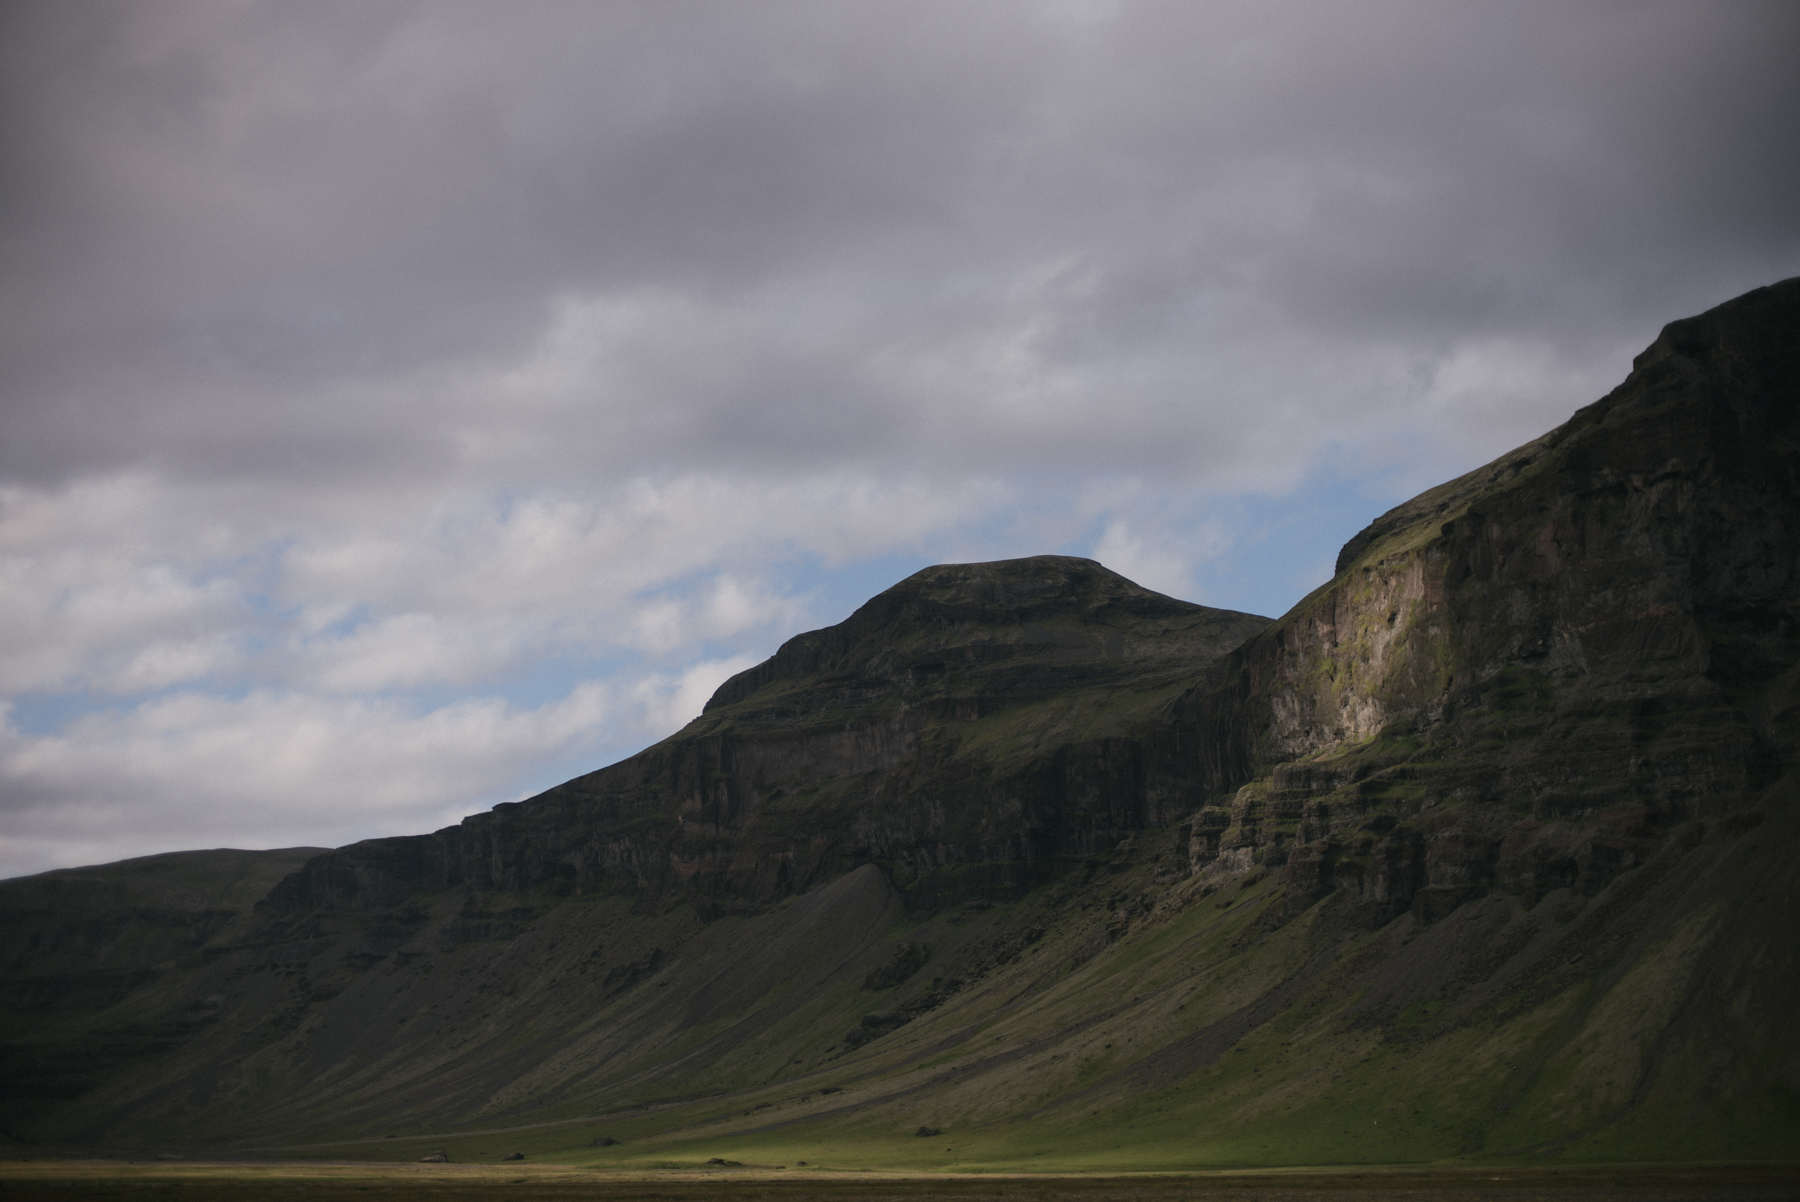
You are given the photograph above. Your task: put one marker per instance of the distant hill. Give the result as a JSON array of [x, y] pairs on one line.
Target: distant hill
[[1486, 849]]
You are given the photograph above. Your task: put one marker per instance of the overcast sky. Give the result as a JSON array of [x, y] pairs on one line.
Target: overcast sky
[[409, 406]]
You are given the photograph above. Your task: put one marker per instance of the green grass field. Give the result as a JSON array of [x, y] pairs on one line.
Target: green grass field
[[27, 1181]]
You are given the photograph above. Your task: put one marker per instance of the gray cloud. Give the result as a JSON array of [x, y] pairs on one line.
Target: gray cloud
[[225, 208]]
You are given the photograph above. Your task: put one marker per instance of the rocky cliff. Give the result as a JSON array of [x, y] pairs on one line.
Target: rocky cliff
[[975, 729], [1526, 678], [1486, 848]]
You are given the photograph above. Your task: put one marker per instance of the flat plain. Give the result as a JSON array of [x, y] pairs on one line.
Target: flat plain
[[23, 1181]]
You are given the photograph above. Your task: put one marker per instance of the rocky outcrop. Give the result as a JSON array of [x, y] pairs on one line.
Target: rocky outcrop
[[1525, 678]]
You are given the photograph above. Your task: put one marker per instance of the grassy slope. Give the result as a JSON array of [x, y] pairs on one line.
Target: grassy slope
[[1206, 1036], [1147, 1027], [81, 951]]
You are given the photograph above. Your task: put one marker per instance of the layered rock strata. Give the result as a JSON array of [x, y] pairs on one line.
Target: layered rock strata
[[1526, 678]]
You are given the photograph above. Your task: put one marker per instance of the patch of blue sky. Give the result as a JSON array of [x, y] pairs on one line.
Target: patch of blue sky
[[258, 571], [43, 714], [285, 618], [547, 772], [834, 591], [1282, 548], [46, 714], [534, 682]]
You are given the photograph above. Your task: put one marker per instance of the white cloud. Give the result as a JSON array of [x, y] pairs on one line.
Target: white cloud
[[110, 587], [407, 650], [669, 702], [1505, 391], [1164, 559], [277, 769], [272, 769], [166, 663]]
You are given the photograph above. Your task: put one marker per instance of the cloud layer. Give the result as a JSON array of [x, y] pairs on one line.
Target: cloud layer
[[409, 404]]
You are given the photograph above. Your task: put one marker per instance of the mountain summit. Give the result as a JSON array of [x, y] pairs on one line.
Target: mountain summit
[[1486, 849], [1013, 629]]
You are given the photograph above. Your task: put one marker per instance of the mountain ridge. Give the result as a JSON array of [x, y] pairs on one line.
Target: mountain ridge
[[1485, 849], [918, 676]]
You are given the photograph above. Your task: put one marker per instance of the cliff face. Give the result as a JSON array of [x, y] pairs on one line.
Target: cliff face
[[1525, 678], [1488, 843]]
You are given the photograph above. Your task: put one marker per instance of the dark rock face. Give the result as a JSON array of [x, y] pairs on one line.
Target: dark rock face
[[1524, 679], [973, 729]]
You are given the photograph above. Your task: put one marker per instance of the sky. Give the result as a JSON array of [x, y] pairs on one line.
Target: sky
[[405, 407]]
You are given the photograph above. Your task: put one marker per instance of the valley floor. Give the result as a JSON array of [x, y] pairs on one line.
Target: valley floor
[[28, 1181]]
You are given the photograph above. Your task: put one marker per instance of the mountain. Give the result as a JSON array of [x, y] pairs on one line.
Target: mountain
[[969, 730], [1486, 849]]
